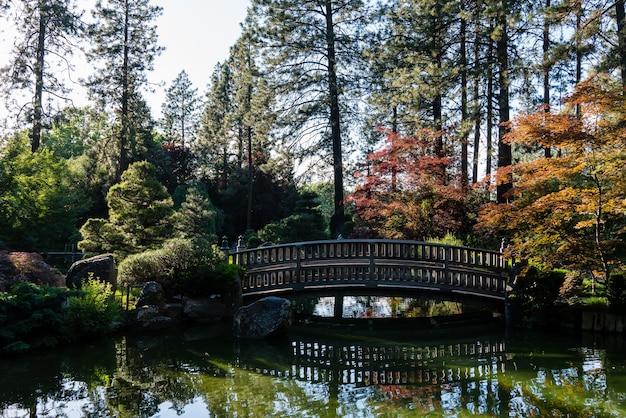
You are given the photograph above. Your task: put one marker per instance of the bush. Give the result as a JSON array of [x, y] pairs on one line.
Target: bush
[[143, 267], [448, 239], [573, 288], [20, 267], [538, 291], [32, 316], [93, 310], [206, 280], [616, 292], [594, 302], [178, 261]]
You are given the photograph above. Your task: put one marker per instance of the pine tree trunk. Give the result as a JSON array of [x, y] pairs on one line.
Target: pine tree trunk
[[39, 69], [124, 134], [504, 149], [464, 112], [339, 217], [490, 110], [546, 70], [476, 99], [621, 33]]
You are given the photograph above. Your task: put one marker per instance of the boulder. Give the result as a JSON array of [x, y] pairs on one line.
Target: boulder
[[152, 294], [268, 317], [204, 309], [101, 267], [146, 312], [158, 323]]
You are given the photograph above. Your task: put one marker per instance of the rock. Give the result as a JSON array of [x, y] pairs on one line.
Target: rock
[[267, 317], [174, 310], [146, 312], [158, 323], [152, 294], [204, 309], [101, 267], [149, 318]]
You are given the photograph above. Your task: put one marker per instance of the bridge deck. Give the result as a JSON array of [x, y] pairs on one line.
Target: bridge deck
[[380, 264]]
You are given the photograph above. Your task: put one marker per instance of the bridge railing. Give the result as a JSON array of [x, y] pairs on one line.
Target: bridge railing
[[373, 263]]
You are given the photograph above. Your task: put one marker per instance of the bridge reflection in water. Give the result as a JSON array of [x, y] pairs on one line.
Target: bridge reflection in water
[[369, 364]]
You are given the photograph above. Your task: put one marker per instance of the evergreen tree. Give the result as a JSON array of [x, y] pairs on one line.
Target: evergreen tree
[[250, 122], [197, 218], [140, 215], [305, 224], [124, 45], [311, 51], [180, 123], [181, 111], [48, 29], [214, 142]]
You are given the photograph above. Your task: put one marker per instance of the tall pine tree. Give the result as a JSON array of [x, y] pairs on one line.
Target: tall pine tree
[[311, 54], [48, 30], [124, 45]]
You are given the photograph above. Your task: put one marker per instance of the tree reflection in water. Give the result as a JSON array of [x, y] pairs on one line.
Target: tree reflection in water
[[202, 371]]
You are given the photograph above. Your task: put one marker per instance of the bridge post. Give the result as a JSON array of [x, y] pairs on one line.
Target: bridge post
[[372, 266], [338, 310], [240, 247]]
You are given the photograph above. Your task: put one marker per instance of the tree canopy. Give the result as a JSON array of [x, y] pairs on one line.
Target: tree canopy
[[568, 210], [432, 104]]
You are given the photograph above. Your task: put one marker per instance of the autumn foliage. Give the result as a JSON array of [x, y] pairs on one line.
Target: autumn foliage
[[568, 209], [404, 191]]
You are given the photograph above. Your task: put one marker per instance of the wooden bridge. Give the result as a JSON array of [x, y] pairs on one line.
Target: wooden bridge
[[380, 266]]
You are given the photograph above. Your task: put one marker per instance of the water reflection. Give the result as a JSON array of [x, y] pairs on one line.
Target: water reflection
[[337, 372], [385, 307]]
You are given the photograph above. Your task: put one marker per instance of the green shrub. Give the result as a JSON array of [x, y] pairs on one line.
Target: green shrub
[[616, 292], [595, 302], [181, 266], [32, 316], [93, 311], [143, 267], [448, 239], [538, 291], [206, 280]]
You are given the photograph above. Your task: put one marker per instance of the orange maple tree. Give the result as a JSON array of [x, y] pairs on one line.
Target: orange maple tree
[[403, 191], [568, 210]]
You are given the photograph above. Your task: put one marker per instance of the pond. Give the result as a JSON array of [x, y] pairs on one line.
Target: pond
[[374, 369]]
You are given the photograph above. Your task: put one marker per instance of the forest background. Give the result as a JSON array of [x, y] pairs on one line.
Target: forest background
[[405, 119]]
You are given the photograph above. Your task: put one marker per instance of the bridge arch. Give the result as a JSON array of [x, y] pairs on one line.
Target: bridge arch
[[374, 265]]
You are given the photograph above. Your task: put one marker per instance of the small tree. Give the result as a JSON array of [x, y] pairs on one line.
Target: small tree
[[198, 219], [568, 210], [306, 223], [141, 215], [40, 200], [402, 193]]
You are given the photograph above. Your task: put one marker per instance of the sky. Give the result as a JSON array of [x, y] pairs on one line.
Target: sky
[[196, 34]]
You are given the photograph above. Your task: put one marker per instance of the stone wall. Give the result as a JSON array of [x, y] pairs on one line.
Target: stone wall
[[595, 321], [602, 321]]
